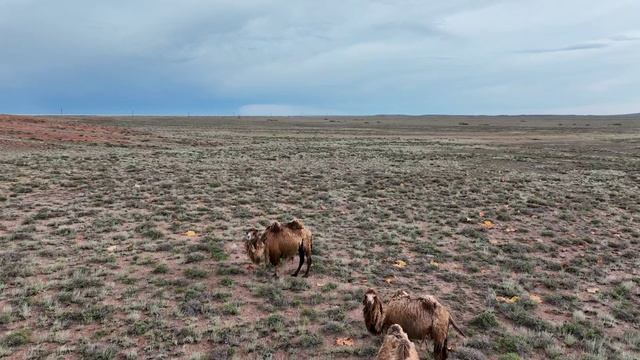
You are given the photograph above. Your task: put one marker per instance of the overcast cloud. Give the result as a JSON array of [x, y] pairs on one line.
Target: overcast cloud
[[320, 57]]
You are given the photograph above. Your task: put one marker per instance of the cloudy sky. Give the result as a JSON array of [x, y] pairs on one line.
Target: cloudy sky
[[320, 57]]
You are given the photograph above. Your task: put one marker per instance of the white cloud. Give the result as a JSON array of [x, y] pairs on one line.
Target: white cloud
[[359, 56], [282, 110]]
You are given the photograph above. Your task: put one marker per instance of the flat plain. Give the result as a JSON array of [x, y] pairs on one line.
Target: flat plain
[[526, 227]]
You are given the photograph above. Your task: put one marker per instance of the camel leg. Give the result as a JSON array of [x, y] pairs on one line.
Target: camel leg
[[301, 255], [440, 350], [275, 269], [306, 273], [445, 348]]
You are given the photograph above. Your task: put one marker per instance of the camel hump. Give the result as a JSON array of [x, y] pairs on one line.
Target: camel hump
[[275, 227], [295, 225], [400, 294], [429, 302]]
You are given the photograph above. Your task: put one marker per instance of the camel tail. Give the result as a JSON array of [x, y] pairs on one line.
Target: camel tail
[[456, 327]]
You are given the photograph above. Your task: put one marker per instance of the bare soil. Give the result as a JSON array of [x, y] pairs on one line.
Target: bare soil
[[526, 227]]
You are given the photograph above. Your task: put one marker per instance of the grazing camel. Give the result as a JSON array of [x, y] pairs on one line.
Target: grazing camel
[[420, 317], [279, 241]]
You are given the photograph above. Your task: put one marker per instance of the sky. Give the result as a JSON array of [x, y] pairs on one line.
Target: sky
[[297, 57]]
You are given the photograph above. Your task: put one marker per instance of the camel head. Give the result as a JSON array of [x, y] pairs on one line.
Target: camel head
[[254, 245], [372, 311], [396, 330], [370, 298]]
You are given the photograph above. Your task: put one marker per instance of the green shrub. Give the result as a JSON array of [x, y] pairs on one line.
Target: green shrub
[[309, 340], [194, 273], [217, 252], [16, 338], [230, 309], [161, 269], [512, 344], [485, 320], [509, 356]]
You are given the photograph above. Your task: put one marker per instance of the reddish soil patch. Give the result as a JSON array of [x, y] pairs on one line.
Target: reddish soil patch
[[25, 132]]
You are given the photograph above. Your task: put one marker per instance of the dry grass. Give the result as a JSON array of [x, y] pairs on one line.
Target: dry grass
[[94, 262]]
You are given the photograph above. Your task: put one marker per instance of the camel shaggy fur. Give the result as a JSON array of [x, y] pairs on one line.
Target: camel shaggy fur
[[420, 317], [278, 242], [397, 346]]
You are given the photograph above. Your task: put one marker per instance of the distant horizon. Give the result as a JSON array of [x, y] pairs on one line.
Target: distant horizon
[[312, 115]]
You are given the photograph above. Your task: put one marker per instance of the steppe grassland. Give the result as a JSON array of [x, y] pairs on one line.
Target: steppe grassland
[[528, 229]]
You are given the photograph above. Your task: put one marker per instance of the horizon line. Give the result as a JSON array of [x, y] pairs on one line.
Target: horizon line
[[306, 115]]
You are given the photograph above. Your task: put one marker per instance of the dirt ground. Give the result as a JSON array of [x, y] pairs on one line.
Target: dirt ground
[[23, 132], [526, 227]]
